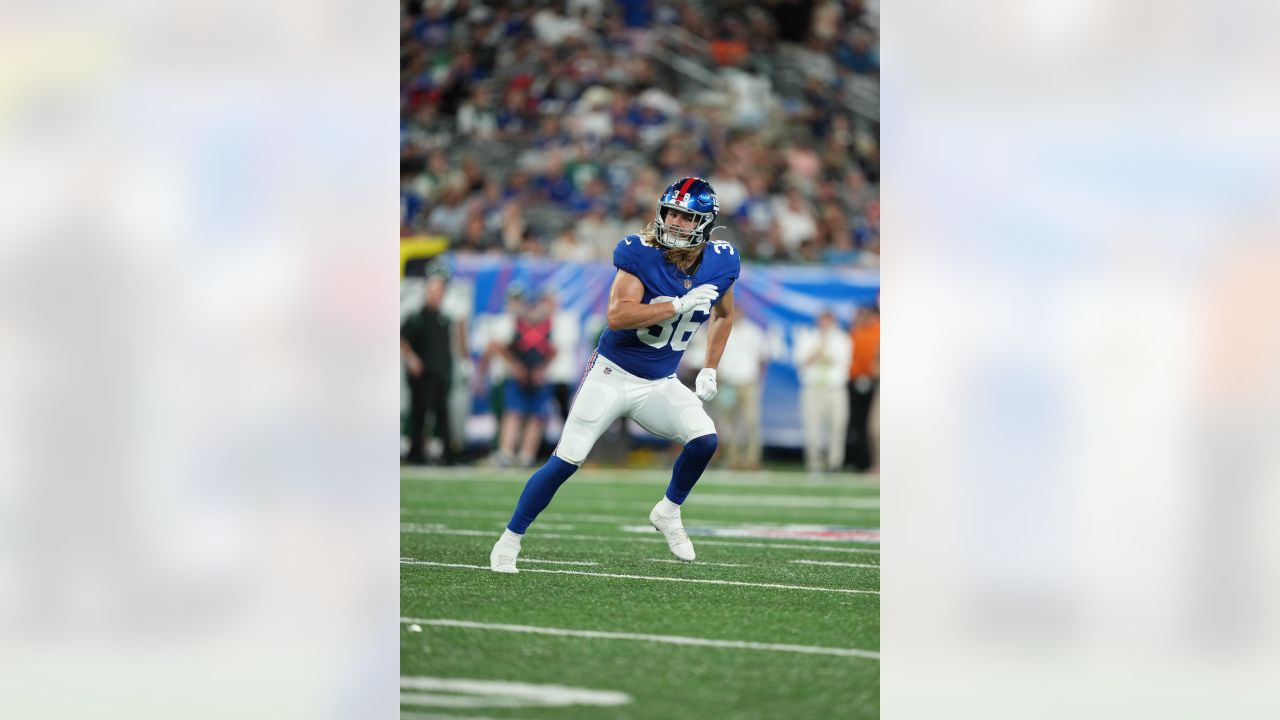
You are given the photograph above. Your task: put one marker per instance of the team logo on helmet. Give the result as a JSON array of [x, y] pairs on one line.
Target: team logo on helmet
[[694, 200]]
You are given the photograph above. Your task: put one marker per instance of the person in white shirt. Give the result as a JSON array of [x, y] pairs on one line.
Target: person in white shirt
[[822, 357], [736, 408]]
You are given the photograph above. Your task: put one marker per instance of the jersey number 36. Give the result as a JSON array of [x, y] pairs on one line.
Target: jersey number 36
[[677, 329]]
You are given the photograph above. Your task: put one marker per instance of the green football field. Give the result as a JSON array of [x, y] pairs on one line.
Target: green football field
[[779, 617]]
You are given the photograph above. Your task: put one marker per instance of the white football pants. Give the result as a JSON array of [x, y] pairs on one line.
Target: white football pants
[[664, 407]]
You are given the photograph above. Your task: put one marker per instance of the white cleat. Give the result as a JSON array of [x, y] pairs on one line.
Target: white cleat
[[503, 556], [673, 529]]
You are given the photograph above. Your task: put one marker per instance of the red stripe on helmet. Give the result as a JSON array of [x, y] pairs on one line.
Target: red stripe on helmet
[[684, 188]]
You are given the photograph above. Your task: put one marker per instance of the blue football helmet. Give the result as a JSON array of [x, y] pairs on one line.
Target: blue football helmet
[[692, 196]]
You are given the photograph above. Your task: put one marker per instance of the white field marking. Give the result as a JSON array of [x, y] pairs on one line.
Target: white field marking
[[620, 476], [681, 562], [500, 693], [559, 562], [703, 581], [426, 529], [456, 701], [834, 564], [668, 639]]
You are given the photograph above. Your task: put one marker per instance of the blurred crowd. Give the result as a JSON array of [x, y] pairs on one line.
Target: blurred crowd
[[551, 128]]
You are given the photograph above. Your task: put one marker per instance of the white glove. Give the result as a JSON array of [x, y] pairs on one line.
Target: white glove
[[699, 296], [705, 386]]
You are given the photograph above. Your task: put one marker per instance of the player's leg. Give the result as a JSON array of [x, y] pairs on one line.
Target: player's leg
[[601, 400], [672, 411]]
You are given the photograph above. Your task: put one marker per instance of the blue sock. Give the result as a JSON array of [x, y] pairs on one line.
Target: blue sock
[[542, 486], [689, 466]]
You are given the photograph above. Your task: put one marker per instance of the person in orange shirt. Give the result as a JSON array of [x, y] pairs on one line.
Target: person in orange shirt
[[864, 383]]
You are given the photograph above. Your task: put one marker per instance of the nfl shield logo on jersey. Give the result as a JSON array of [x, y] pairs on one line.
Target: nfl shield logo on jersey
[[688, 284]]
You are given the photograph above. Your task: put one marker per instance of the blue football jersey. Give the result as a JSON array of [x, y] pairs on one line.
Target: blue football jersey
[[655, 351]]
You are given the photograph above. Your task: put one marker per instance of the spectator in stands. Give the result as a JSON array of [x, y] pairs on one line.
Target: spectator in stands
[[566, 248], [597, 232], [795, 220], [450, 215], [426, 344], [477, 117], [822, 357], [513, 226], [757, 210], [553, 185], [533, 244], [864, 383]]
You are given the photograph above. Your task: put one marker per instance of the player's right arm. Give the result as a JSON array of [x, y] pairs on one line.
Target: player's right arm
[[626, 309]]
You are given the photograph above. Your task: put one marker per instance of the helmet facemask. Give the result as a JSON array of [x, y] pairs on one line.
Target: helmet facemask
[[673, 236]]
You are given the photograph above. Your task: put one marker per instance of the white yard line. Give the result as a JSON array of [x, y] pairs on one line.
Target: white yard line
[[681, 562], [702, 581], [559, 562], [834, 564], [465, 692], [431, 529], [667, 639]]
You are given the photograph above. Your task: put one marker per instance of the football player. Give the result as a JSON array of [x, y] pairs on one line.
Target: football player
[[671, 278]]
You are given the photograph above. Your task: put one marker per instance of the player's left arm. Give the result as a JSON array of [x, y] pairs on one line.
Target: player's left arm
[[720, 325], [717, 335]]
